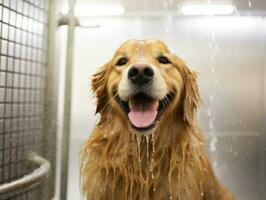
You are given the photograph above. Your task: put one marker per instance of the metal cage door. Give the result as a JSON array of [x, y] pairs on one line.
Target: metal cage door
[[26, 158]]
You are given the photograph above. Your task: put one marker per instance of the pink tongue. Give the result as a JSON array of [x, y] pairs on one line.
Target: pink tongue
[[142, 112]]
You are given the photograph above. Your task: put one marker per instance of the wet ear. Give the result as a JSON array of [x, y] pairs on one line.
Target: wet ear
[[99, 83], [191, 97]]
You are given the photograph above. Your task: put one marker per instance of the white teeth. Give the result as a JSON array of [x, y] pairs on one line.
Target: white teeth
[[130, 103], [156, 105]]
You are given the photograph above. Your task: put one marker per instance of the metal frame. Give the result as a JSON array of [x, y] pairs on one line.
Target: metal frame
[[30, 179], [67, 99], [263, 114], [50, 102]]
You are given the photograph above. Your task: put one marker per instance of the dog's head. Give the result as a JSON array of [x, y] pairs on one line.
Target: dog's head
[[145, 84]]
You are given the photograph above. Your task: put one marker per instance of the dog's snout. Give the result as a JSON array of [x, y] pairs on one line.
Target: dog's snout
[[140, 74]]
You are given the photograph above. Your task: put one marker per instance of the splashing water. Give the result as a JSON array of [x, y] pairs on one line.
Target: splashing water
[[213, 49], [138, 137], [147, 137], [152, 159], [153, 143]]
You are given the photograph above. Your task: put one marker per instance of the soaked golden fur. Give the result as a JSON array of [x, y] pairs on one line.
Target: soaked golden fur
[[168, 164]]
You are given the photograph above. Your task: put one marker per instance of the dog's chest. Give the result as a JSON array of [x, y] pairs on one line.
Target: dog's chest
[[157, 185]]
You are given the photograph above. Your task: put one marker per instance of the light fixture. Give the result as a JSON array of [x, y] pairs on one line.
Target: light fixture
[[207, 9], [96, 10]]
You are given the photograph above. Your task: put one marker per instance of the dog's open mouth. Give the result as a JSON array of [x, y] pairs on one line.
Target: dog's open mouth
[[144, 111]]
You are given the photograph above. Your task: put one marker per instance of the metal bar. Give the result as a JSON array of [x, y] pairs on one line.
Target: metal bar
[[263, 114], [50, 101], [30, 179], [67, 100]]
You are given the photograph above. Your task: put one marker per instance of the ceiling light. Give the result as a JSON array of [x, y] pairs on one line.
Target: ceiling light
[[207, 9]]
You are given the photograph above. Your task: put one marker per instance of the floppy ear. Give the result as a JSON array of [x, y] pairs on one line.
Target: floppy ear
[[99, 82], [191, 97]]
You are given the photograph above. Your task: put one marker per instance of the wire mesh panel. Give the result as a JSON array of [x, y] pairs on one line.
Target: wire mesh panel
[[31, 193], [23, 34]]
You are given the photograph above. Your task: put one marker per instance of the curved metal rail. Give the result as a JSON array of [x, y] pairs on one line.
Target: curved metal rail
[[30, 179]]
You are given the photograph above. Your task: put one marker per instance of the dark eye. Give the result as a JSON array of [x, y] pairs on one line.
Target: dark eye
[[122, 61], [163, 60]]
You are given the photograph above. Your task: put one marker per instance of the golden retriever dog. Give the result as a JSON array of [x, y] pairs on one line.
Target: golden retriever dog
[[147, 144]]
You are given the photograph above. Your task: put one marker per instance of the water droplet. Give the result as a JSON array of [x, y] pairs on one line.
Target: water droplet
[[147, 146], [213, 144], [152, 175], [211, 97], [153, 142], [138, 137], [211, 126], [209, 112]]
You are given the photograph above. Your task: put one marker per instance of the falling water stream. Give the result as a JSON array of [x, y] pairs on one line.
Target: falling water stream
[[149, 142], [138, 137], [213, 49]]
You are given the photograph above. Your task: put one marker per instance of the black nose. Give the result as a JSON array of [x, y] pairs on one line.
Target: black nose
[[140, 74]]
